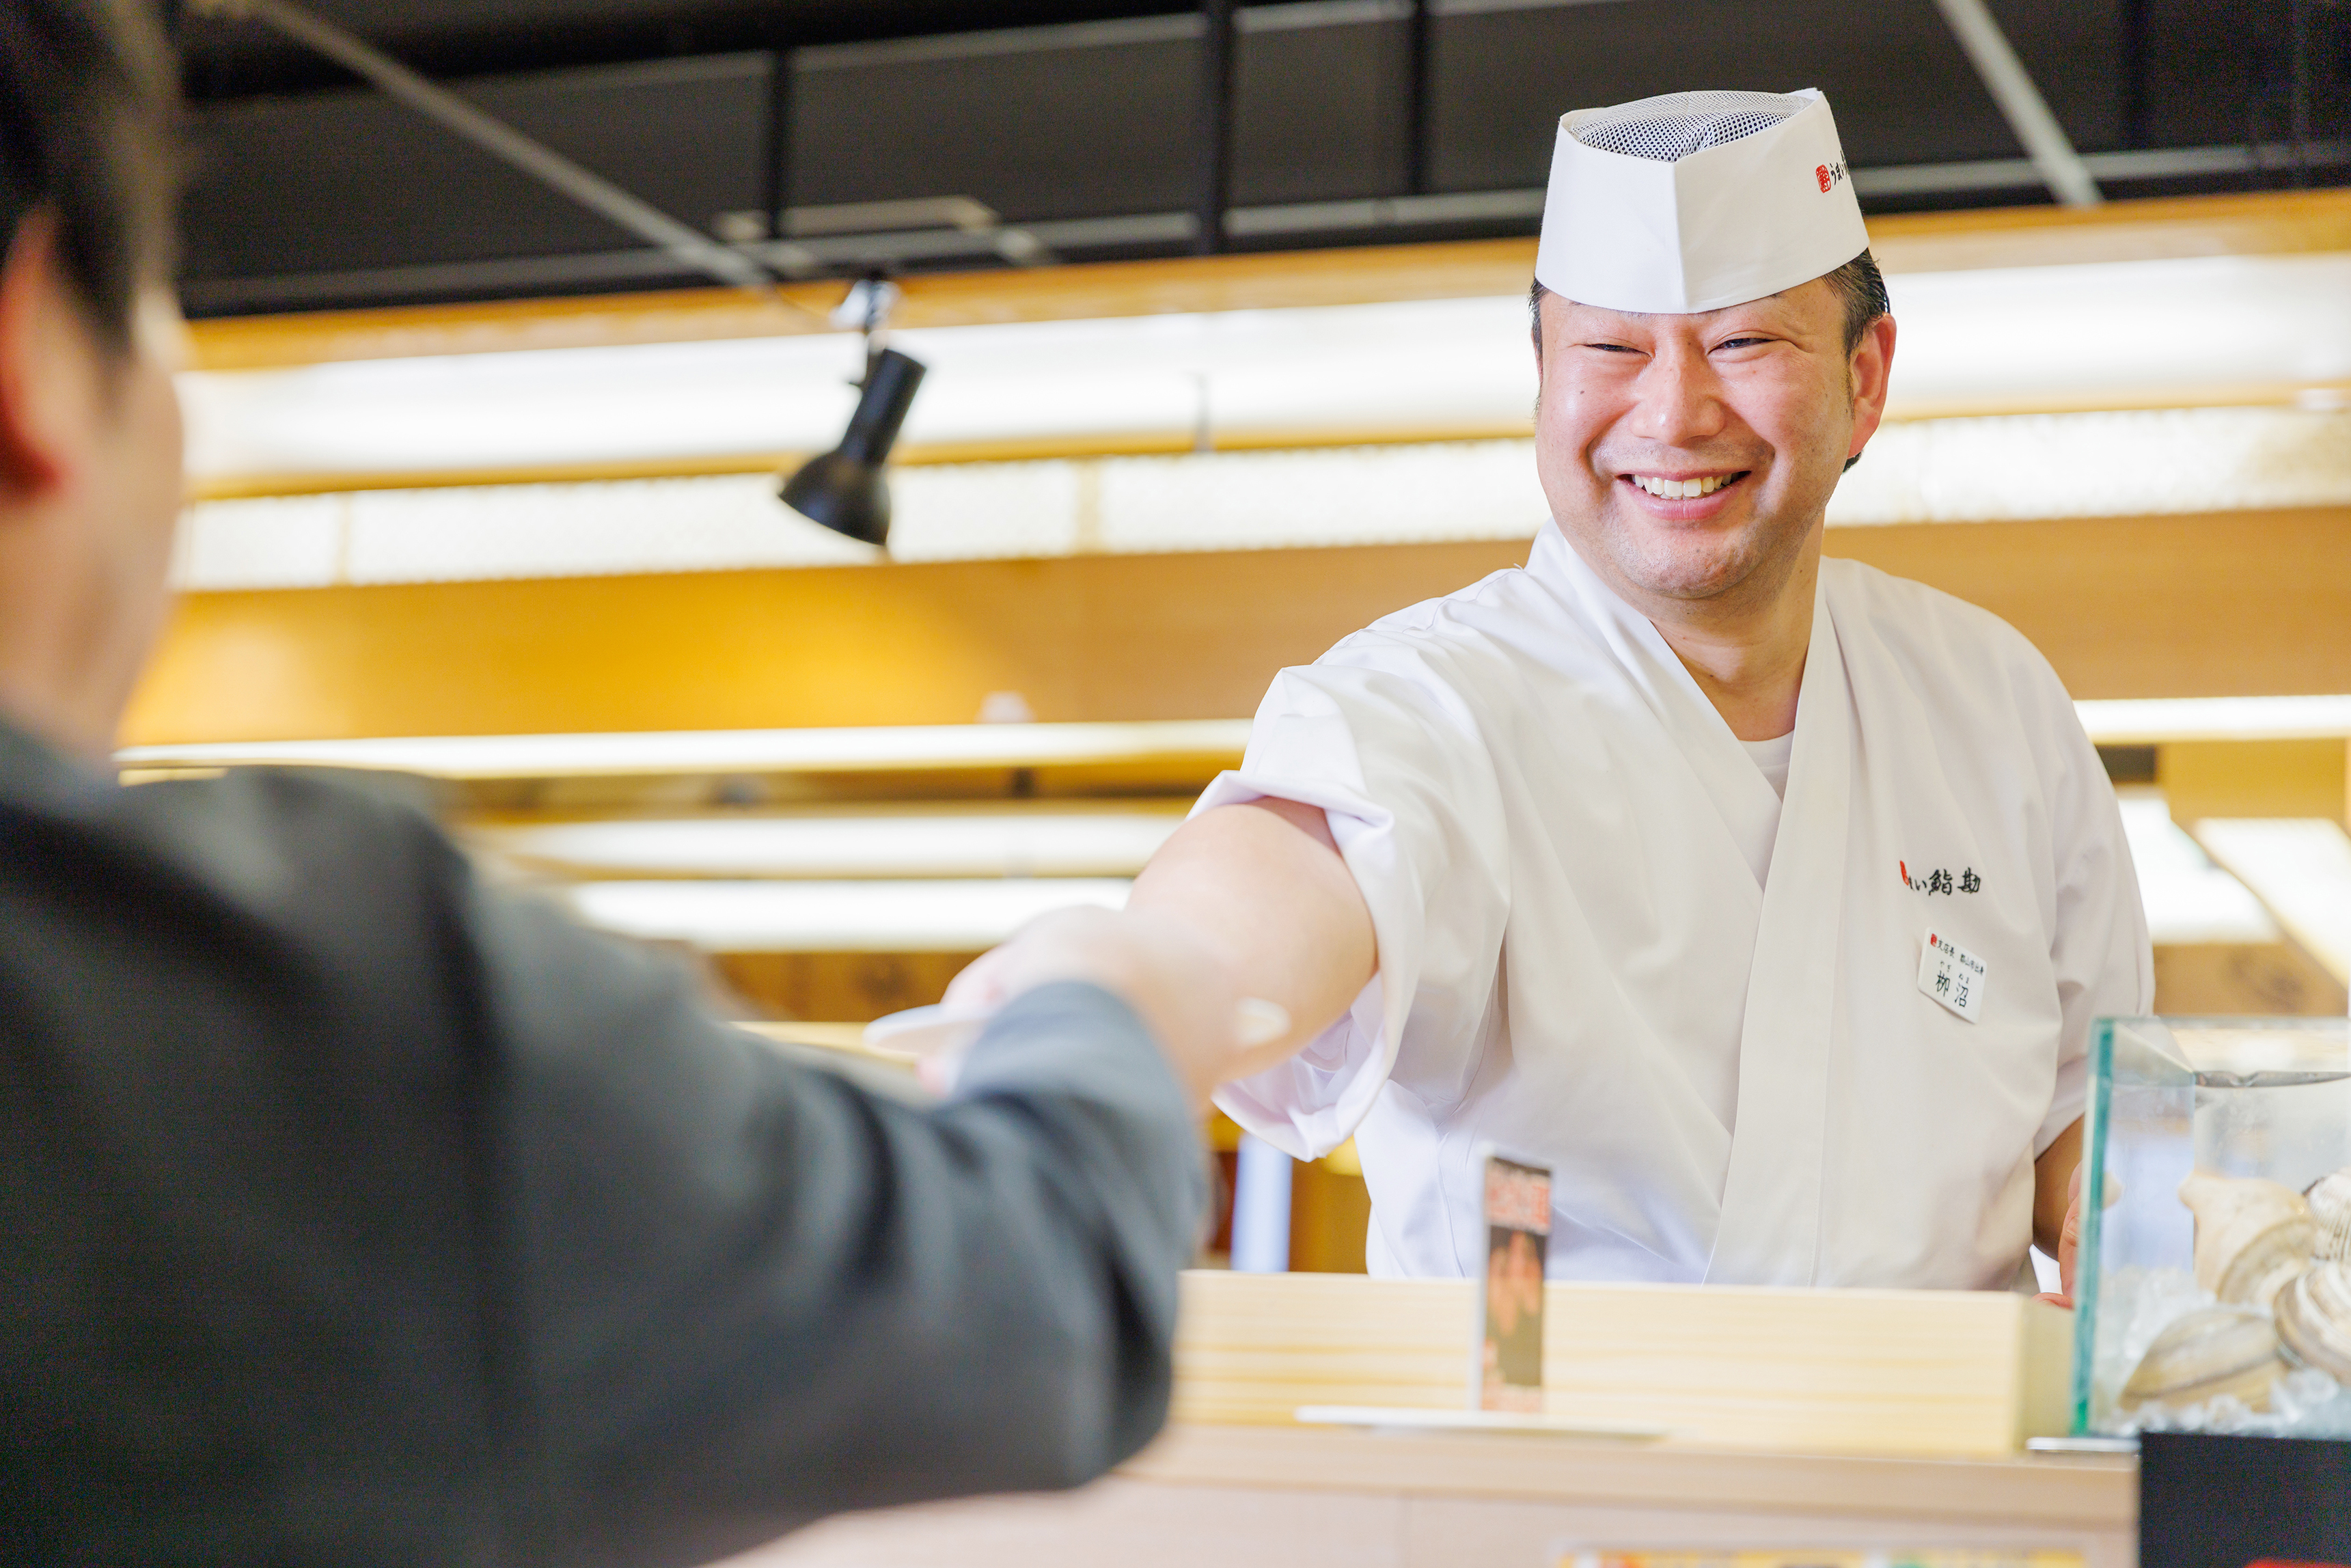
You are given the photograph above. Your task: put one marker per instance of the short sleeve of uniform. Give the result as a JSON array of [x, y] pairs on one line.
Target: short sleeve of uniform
[[1381, 736], [2099, 948]]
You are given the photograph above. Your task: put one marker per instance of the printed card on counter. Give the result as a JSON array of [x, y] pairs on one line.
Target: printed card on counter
[[1506, 1371]]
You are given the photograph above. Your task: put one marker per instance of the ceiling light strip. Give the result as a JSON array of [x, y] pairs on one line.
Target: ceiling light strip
[[834, 916], [877, 749], [2154, 721], [889, 749]]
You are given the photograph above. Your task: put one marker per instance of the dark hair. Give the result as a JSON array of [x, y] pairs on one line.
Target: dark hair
[[1858, 284], [89, 109]]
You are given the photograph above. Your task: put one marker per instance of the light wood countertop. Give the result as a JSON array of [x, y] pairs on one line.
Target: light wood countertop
[[2086, 1491]]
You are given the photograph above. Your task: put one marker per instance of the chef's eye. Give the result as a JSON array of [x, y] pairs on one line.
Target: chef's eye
[[1612, 347], [1741, 343]]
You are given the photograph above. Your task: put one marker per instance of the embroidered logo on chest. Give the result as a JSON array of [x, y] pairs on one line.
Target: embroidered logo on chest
[[1939, 880]]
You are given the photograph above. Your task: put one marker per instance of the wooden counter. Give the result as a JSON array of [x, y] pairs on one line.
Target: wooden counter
[[1273, 1497], [1763, 1388]]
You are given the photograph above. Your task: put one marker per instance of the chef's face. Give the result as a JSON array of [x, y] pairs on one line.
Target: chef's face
[[1690, 457]]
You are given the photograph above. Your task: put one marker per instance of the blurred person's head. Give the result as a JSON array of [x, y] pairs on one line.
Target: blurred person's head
[[1712, 338], [90, 480]]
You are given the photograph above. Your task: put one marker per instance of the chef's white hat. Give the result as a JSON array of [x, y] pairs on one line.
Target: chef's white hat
[[1697, 200]]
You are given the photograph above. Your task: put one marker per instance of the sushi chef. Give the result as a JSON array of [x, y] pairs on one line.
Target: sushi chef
[[1767, 898]]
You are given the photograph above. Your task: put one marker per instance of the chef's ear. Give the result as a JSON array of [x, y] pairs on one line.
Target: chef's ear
[[51, 366], [1869, 373]]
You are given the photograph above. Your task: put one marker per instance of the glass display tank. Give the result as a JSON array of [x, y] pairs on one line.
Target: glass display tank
[[2213, 1287]]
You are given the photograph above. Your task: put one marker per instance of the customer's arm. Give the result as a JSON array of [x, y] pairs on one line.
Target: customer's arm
[[739, 1293]]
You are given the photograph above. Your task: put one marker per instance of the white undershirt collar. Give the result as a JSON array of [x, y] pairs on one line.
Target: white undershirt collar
[[1771, 755]]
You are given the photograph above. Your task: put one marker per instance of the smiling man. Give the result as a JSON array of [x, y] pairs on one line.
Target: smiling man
[[1767, 898]]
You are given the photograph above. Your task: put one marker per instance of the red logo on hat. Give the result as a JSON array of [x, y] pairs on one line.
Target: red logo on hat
[[1823, 172]]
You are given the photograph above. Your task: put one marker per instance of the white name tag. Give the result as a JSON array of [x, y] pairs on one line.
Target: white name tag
[[1952, 976]]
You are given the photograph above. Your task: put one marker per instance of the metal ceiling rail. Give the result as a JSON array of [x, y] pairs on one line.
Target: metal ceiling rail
[[2027, 112], [1128, 31], [1371, 216], [689, 248]]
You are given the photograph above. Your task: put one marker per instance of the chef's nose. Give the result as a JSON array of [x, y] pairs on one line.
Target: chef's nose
[[1678, 398]]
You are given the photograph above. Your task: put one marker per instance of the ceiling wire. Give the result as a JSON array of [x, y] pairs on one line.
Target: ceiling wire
[[541, 163]]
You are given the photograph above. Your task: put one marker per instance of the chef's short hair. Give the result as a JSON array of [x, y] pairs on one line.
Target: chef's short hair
[[1858, 284], [89, 111]]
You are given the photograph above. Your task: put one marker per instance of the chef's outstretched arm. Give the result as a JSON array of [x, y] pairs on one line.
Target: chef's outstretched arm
[[1263, 886], [1257, 891]]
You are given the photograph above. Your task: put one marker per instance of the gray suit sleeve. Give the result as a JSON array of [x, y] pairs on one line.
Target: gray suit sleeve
[[740, 1292]]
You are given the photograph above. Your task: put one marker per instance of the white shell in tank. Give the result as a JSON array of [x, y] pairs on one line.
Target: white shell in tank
[[2251, 1236], [2330, 1209], [2314, 1320], [2211, 1351]]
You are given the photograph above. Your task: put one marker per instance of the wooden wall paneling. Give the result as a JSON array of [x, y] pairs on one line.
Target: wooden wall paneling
[[2246, 603], [2228, 979], [2158, 229], [1112, 637], [1330, 1220], [837, 988], [2255, 777], [2250, 603], [1255, 281]]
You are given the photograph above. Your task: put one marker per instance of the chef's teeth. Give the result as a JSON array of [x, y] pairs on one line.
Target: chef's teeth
[[1681, 489]]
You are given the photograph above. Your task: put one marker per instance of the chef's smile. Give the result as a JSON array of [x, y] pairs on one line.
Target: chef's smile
[[1684, 496]]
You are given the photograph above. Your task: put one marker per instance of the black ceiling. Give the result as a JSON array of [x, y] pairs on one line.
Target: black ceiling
[[312, 191]]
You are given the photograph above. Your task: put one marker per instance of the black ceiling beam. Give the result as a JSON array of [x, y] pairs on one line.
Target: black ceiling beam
[[1218, 52], [776, 152], [1419, 96], [225, 62]]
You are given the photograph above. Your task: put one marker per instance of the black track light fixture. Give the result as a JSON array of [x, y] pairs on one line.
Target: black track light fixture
[[844, 489]]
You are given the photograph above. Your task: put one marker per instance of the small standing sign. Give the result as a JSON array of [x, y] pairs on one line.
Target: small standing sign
[[1506, 1366]]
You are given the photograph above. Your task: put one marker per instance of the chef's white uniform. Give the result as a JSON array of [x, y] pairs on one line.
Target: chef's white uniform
[[1606, 944]]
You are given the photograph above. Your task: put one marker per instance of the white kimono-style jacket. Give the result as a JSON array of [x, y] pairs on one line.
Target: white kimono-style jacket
[[1607, 946]]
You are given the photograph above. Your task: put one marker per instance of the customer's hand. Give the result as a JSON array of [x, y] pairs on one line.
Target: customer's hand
[[1175, 980]]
